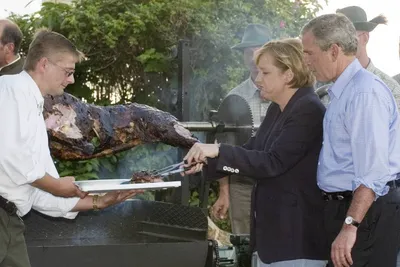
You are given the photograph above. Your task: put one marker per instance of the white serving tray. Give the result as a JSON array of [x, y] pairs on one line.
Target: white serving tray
[[107, 185]]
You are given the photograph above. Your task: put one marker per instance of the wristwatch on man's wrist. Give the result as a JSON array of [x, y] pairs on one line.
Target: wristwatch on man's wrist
[[350, 221]]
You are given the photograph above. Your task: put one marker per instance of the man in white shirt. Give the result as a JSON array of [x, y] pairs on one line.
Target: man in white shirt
[[28, 177]]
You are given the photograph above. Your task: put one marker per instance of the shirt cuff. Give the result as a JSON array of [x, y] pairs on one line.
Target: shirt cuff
[[210, 170], [53, 206], [380, 188]]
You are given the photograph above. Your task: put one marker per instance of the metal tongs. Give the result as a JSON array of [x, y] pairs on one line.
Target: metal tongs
[[168, 170], [171, 169]]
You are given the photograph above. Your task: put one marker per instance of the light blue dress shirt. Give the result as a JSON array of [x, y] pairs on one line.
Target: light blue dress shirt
[[361, 134]]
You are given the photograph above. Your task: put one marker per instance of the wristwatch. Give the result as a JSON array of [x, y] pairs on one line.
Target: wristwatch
[[350, 221]]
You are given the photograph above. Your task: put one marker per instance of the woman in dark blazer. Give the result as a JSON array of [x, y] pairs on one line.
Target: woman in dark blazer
[[287, 206]]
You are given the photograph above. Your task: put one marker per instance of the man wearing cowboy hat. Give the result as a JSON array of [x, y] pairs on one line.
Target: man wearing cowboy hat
[[235, 192], [363, 27]]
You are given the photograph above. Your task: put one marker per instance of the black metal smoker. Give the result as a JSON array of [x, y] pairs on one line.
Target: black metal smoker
[[134, 233]]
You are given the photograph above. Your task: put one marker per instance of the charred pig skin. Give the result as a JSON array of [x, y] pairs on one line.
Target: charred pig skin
[[80, 131]]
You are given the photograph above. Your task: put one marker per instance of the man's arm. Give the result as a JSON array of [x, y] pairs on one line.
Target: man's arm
[[368, 125], [17, 158], [224, 185], [63, 187], [368, 122], [221, 206], [51, 205], [362, 200]]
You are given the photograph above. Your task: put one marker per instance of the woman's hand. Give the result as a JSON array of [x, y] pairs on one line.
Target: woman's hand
[[193, 168], [200, 153], [115, 197]]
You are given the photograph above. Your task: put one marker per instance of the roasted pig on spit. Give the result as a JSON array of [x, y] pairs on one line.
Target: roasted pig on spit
[[79, 131]]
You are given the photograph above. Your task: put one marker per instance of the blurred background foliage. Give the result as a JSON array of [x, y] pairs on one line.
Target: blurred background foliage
[[131, 47]]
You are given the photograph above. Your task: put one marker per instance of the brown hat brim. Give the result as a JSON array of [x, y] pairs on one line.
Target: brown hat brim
[[244, 45]]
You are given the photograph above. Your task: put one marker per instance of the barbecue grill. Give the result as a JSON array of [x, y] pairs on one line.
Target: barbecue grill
[[134, 233]]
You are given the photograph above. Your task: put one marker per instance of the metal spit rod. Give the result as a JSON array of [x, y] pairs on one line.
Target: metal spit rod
[[200, 126]]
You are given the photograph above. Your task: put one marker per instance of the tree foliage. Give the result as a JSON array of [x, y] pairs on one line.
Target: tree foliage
[[130, 44]]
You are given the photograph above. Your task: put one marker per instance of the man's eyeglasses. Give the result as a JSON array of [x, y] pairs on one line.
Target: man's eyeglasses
[[68, 73]]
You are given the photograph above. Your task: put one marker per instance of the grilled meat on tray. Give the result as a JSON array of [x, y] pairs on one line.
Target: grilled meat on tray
[[145, 177]]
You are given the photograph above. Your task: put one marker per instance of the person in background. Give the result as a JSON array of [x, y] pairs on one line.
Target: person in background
[[235, 190], [28, 177], [397, 78], [359, 163], [363, 27], [10, 43], [286, 204]]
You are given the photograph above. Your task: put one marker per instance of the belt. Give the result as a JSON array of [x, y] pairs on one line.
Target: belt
[[345, 195], [8, 206], [348, 195], [393, 184]]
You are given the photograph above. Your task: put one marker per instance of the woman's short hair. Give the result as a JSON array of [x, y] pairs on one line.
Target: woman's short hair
[[47, 43], [288, 54]]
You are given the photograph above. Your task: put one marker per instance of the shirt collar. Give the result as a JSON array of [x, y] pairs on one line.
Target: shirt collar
[[370, 67], [35, 90], [337, 88], [15, 60], [251, 89]]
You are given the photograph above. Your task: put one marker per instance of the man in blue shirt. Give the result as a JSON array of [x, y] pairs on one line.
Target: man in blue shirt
[[360, 157]]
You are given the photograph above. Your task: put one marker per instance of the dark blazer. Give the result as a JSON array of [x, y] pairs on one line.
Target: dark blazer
[[287, 206]]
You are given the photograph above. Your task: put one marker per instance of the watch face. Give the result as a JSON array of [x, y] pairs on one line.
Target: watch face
[[348, 220]]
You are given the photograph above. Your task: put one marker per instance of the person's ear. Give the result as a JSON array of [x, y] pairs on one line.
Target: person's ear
[[9, 48], [289, 75], [42, 64], [334, 51]]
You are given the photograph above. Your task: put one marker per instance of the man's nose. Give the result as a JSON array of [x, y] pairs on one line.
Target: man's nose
[[71, 79]]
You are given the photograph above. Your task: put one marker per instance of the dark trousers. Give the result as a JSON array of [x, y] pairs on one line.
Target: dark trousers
[[13, 251], [378, 236]]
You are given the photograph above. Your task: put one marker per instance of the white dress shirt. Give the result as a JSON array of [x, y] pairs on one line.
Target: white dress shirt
[[24, 149]]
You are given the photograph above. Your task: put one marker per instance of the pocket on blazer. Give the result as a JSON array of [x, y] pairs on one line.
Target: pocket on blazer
[[282, 213]]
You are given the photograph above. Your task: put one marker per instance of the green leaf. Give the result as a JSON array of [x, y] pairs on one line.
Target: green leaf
[[87, 176]]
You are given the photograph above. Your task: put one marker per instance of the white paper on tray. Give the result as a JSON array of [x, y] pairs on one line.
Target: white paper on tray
[[107, 185]]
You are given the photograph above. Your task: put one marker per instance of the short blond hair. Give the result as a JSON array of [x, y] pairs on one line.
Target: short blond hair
[[288, 54], [47, 43]]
